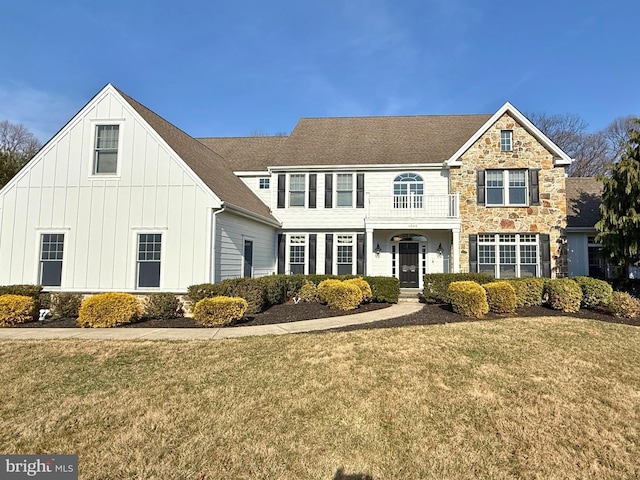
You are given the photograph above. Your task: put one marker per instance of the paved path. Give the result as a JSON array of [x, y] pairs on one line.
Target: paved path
[[393, 311]]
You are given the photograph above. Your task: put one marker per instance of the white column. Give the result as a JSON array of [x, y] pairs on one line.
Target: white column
[[456, 249], [369, 253]]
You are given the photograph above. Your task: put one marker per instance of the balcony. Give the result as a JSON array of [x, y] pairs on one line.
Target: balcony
[[412, 206]]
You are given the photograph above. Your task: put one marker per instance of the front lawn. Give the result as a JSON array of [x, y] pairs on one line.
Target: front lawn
[[519, 398]]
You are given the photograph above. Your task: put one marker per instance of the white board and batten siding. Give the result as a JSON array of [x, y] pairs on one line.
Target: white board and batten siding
[[101, 215]]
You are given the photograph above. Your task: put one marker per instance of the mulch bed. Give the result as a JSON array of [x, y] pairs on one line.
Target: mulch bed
[[431, 314]]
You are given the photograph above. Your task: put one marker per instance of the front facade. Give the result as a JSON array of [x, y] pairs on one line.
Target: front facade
[[121, 200]]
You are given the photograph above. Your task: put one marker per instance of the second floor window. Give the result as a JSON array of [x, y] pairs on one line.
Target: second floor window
[[105, 159], [264, 184], [506, 187], [506, 140], [344, 189], [296, 190], [408, 191]]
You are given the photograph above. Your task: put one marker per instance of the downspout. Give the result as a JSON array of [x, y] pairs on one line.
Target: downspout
[[213, 242]]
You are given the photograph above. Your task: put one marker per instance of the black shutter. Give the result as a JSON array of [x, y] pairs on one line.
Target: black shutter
[[313, 182], [473, 253], [282, 243], [534, 189], [312, 253], [328, 190], [360, 255], [282, 179], [328, 253], [545, 255], [480, 186], [360, 190]]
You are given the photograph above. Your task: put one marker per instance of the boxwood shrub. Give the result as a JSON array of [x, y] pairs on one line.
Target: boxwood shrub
[[468, 298], [363, 286], [162, 305], [528, 291], [501, 297], [33, 291], [341, 295], [563, 294], [65, 305], [309, 293], [624, 305], [384, 289], [594, 292], [436, 285]]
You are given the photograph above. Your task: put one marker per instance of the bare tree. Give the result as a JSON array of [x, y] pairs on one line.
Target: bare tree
[[17, 146], [618, 134]]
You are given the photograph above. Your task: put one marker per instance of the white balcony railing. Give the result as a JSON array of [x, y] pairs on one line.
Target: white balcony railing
[[414, 206]]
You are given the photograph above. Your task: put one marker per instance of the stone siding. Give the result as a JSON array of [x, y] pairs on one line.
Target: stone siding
[[549, 217]]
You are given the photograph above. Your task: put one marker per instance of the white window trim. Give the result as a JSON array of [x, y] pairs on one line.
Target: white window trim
[[505, 187], [260, 183], [39, 233], [353, 189], [510, 140], [253, 251], [306, 251], [305, 203], [92, 149], [496, 243], [153, 231], [354, 252]]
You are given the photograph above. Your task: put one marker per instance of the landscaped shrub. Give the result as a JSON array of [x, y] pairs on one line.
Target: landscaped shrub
[[33, 291], [501, 297], [219, 311], [436, 285], [65, 305], [594, 292], [468, 298], [109, 310], [309, 293], [384, 289], [624, 305], [528, 291], [629, 285], [563, 294], [324, 289], [203, 290], [253, 290], [340, 295], [162, 305], [279, 288], [364, 287], [15, 309]]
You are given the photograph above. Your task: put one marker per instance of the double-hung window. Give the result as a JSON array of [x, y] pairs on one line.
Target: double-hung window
[[506, 187], [297, 250], [345, 254], [149, 255], [51, 253], [105, 159], [506, 140], [297, 188], [344, 189], [508, 255]]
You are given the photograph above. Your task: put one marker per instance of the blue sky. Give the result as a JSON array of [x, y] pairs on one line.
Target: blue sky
[[231, 68]]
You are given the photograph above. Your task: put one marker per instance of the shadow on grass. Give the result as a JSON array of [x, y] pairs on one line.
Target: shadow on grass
[[340, 475]]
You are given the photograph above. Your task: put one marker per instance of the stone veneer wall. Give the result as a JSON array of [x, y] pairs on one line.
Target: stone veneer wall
[[549, 217]]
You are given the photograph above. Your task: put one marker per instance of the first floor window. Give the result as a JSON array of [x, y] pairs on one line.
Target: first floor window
[[51, 252], [149, 250], [106, 149], [345, 254], [597, 263], [297, 184], [297, 244], [508, 255]]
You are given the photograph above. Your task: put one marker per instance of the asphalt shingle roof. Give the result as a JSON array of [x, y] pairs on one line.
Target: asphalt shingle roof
[[583, 201], [247, 153]]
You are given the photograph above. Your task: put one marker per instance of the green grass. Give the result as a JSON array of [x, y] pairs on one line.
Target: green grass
[[525, 398]]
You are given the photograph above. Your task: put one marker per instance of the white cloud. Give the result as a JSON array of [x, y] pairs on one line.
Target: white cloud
[[41, 112]]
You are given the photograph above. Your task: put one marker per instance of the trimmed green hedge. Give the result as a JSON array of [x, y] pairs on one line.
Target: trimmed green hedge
[[436, 285], [528, 291], [594, 292], [563, 294]]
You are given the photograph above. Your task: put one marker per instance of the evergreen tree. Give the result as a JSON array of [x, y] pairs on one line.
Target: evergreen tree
[[619, 225]]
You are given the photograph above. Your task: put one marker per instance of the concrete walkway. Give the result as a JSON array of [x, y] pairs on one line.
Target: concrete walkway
[[397, 310]]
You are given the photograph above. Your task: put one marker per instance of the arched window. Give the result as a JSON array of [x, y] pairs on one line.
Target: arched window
[[408, 191]]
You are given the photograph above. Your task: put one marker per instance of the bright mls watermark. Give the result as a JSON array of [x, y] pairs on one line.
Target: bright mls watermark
[[51, 467]]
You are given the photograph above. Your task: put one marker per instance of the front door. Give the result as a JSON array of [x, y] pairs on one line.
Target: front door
[[408, 265]]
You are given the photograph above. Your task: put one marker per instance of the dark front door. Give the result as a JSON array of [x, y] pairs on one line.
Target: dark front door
[[408, 265], [248, 258]]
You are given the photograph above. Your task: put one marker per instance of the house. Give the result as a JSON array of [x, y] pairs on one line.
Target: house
[[121, 200]]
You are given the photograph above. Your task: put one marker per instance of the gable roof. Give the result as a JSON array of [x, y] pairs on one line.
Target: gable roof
[[377, 140], [560, 158], [583, 201], [247, 153], [212, 168]]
